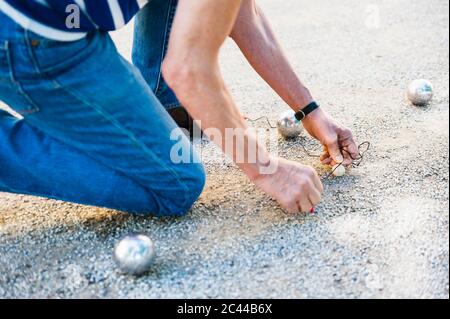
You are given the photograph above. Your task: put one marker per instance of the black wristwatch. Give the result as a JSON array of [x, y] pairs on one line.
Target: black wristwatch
[[303, 113]]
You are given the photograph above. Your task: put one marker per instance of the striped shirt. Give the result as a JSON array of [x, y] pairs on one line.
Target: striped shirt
[[70, 20]]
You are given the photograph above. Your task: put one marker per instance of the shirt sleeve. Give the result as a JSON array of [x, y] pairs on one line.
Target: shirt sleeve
[[112, 14]]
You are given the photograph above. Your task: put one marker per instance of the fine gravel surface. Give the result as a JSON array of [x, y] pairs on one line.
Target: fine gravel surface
[[380, 232]]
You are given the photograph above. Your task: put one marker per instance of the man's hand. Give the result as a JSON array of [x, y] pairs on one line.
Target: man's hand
[[296, 187], [338, 142]]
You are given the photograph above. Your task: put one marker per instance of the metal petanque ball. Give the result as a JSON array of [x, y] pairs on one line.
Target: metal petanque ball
[[134, 254], [420, 92], [288, 126]]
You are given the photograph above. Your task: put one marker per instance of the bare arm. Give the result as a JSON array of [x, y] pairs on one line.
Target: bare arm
[[254, 36], [192, 70]]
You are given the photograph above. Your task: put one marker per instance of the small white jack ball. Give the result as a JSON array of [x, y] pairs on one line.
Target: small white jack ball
[[135, 254], [420, 92], [288, 126], [338, 170]]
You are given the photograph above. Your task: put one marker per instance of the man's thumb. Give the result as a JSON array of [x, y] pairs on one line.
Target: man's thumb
[[335, 152]]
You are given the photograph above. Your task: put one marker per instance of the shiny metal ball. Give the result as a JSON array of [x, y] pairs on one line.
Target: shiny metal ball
[[420, 92], [288, 126], [135, 254]]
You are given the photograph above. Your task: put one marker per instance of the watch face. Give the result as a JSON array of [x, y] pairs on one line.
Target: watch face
[[300, 115]]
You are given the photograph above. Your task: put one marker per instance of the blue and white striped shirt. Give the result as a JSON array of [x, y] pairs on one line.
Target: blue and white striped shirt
[[70, 20]]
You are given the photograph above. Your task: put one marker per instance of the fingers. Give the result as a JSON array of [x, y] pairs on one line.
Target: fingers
[[348, 152], [350, 149], [299, 204], [318, 183], [305, 204], [348, 157], [311, 194], [324, 156], [335, 152], [292, 208], [353, 150], [326, 159], [297, 188], [306, 200], [315, 197]]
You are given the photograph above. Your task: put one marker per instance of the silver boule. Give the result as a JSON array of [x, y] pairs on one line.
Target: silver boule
[[288, 126], [135, 254], [420, 92]]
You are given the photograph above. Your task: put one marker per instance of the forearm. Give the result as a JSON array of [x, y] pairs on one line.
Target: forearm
[[254, 36], [210, 103], [192, 70]]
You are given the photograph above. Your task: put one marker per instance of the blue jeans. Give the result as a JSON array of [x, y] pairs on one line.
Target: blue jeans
[[151, 39], [93, 131]]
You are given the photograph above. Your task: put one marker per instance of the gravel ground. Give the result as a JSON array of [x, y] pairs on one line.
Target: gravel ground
[[381, 232]]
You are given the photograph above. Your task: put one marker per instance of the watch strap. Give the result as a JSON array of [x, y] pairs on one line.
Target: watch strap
[[303, 113]]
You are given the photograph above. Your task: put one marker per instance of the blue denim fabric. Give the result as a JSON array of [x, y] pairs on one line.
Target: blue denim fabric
[[92, 132], [151, 38]]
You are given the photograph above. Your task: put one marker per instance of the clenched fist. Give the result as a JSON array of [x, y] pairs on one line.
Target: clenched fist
[[296, 187]]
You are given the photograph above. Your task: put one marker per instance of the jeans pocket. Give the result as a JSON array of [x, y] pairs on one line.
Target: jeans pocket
[[23, 104], [11, 91], [13, 95], [52, 56]]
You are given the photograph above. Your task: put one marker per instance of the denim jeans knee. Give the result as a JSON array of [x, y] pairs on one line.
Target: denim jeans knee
[[179, 203]]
